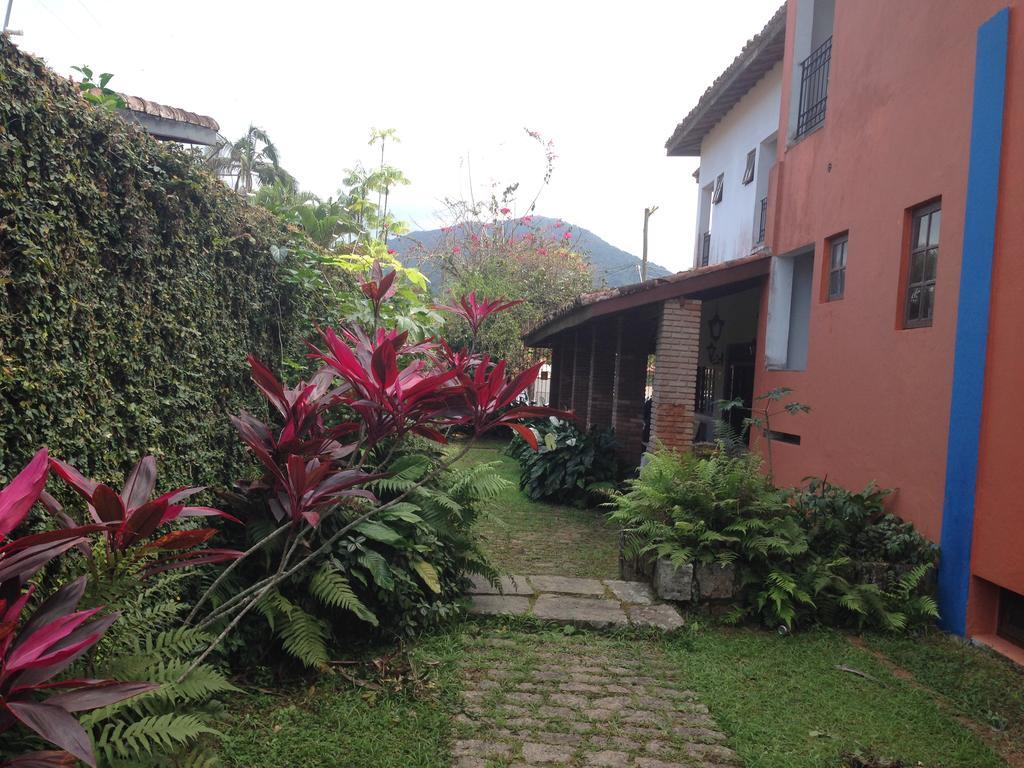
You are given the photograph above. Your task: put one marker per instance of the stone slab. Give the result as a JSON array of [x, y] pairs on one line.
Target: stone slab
[[661, 616], [507, 585], [588, 611], [715, 581], [567, 585], [638, 592], [671, 583], [499, 605]]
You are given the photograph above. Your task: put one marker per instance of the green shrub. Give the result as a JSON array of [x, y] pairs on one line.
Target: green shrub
[[798, 554], [571, 466], [391, 577], [133, 284]]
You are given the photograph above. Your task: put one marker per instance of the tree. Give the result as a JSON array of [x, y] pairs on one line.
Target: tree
[[251, 161], [487, 251]]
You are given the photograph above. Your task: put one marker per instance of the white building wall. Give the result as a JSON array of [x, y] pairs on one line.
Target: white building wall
[[752, 121]]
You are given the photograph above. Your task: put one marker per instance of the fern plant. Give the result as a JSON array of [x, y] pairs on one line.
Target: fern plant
[[173, 725], [392, 576], [798, 554]]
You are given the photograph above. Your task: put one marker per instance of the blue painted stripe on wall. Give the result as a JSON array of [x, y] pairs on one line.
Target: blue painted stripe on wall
[[972, 320]]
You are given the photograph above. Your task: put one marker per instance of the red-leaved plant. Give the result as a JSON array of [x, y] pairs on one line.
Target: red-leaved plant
[[34, 651], [373, 390], [130, 518], [475, 311]]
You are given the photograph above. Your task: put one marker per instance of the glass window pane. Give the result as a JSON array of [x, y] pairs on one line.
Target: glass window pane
[[914, 304], [843, 254], [933, 228], [931, 258], [927, 298], [921, 231], [842, 282], [916, 267]]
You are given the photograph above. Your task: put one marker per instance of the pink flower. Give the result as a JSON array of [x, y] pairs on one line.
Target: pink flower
[[475, 239], [505, 211], [391, 251], [527, 219], [456, 249], [542, 251], [567, 235]]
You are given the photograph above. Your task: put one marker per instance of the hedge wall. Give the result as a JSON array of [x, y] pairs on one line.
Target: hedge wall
[[132, 286]]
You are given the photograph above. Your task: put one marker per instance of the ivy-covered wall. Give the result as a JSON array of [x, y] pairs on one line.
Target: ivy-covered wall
[[132, 286]]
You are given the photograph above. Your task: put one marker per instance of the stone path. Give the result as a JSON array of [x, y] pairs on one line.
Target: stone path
[[531, 701], [582, 602]]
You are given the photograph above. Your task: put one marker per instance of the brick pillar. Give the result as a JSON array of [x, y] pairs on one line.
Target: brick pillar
[[675, 374], [628, 393], [581, 374], [602, 375]]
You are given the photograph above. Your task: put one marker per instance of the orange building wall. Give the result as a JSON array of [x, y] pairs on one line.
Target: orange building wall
[[998, 553], [896, 134]]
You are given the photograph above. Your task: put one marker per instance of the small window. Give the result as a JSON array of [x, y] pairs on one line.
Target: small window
[[837, 267], [748, 174], [716, 194], [922, 265], [1011, 616]]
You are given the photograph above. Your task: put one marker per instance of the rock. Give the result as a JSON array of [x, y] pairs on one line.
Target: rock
[[637, 592], [580, 610], [633, 568], [715, 581], [567, 585], [507, 585], [499, 605], [671, 583], [663, 617], [540, 754]]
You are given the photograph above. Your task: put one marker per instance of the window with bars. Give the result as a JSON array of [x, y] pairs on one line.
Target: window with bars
[[707, 387], [716, 194], [748, 173], [837, 267], [922, 265]]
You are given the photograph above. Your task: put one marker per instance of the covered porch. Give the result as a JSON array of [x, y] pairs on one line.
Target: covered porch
[[653, 360]]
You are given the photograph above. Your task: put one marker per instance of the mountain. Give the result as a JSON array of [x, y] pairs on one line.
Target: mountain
[[611, 266]]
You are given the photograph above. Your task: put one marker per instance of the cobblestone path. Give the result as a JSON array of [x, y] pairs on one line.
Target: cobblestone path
[[540, 700]]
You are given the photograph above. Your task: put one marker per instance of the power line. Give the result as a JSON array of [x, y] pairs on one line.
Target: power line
[[90, 13]]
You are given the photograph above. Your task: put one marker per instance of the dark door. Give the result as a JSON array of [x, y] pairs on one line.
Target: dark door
[[739, 384]]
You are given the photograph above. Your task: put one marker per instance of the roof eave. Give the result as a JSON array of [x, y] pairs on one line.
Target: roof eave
[[757, 58], [732, 275]]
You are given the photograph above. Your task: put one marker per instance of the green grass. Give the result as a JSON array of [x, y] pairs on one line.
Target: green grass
[[335, 724], [785, 704], [975, 683], [528, 537], [783, 701]]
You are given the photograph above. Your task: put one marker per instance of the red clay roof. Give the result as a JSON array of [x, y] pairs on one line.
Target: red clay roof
[[610, 300], [136, 104], [758, 56]]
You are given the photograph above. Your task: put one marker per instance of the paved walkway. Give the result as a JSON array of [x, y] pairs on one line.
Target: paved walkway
[[530, 701], [582, 602]]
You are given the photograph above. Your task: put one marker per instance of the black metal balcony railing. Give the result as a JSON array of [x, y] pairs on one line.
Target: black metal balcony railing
[[762, 220], [705, 249], [814, 88]]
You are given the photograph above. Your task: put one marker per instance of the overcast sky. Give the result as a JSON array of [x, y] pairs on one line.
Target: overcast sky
[[607, 82]]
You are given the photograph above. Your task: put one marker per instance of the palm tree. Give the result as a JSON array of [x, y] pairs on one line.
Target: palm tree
[[324, 221], [252, 161]]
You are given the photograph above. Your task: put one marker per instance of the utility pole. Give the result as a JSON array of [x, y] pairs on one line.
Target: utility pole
[[648, 212], [7, 20]]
